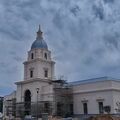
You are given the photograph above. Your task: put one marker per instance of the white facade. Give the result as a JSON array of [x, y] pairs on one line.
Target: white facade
[[45, 90], [105, 90], [39, 74], [39, 64]]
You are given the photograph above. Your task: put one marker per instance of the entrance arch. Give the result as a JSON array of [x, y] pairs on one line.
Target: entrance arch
[[27, 102]]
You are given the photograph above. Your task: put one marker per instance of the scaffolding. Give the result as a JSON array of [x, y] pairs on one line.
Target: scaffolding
[[61, 105], [63, 98]]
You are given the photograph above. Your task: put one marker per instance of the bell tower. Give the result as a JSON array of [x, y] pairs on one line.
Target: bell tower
[[39, 64]]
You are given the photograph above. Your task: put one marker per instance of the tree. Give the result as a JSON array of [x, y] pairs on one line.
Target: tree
[[1, 104], [118, 107], [107, 109]]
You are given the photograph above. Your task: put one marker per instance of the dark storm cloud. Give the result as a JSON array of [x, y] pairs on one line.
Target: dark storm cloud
[[98, 11], [75, 10], [108, 1], [112, 41], [14, 35], [82, 34]]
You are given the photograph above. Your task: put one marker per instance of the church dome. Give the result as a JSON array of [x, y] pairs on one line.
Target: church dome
[[39, 42]]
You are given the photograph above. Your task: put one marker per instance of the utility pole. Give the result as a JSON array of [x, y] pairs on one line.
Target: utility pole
[[37, 89]]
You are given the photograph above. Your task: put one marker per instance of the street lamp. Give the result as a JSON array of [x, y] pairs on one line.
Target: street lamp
[[37, 89]]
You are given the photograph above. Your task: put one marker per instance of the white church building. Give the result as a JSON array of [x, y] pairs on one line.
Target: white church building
[[39, 92]]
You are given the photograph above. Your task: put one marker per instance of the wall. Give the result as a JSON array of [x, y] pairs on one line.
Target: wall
[[92, 99], [39, 64], [45, 91], [92, 93]]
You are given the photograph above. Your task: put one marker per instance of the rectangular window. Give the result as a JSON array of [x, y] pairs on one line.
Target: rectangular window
[[71, 109], [59, 108], [100, 104], [46, 73], [31, 73], [85, 108], [46, 107]]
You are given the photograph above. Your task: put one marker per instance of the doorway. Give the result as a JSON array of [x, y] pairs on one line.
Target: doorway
[[27, 102]]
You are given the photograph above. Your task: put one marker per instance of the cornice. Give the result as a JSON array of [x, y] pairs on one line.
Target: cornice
[[92, 91], [38, 59], [33, 80]]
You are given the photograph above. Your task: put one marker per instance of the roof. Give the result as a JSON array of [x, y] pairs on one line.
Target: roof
[[93, 80], [39, 42]]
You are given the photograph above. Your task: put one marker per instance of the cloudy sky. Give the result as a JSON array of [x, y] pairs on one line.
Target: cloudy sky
[[83, 35]]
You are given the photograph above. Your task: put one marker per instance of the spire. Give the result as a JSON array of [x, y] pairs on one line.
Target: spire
[[39, 33]]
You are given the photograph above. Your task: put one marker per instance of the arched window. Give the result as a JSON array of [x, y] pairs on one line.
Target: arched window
[[32, 56], [31, 73], [45, 56], [45, 73]]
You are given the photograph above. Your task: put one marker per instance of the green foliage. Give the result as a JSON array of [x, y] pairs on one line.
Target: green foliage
[[1, 105]]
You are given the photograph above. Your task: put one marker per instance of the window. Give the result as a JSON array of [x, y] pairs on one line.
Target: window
[[85, 108], [71, 109], [45, 56], [31, 73], [59, 108], [46, 107], [46, 73], [32, 56], [100, 104]]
